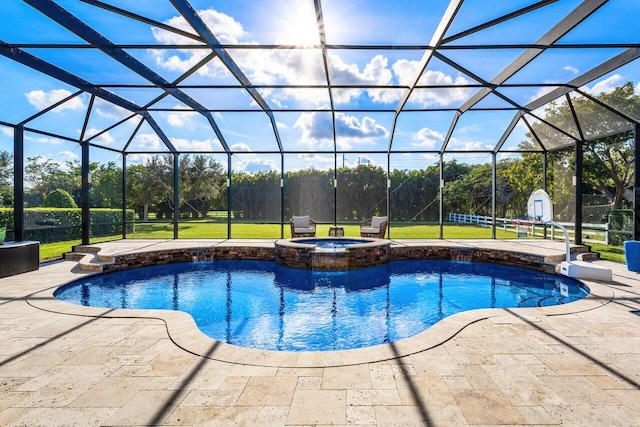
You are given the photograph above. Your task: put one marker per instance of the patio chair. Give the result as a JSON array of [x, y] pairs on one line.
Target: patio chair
[[302, 226], [374, 227]]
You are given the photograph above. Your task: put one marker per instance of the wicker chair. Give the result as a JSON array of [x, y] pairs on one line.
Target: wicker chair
[[302, 226], [374, 227]]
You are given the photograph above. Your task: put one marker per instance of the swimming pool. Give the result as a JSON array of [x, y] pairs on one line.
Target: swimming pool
[[264, 305]]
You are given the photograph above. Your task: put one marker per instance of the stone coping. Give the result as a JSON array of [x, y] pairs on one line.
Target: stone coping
[[142, 253], [299, 242], [184, 332]]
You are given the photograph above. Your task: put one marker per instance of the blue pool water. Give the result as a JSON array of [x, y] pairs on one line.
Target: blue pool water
[[264, 305]]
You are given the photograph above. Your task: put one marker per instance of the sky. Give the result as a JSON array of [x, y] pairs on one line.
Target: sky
[[378, 78]]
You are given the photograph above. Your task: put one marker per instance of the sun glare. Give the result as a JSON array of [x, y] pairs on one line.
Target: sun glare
[[300, 33], [299, 26]]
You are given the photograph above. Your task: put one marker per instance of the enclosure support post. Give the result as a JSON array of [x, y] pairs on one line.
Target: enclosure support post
[[441, 208], [229, 196], [388, 185], [636, 183], [544, 171], [335, 189], [493, 195], [281, 196], [18, 183], [84, 197], [176, 194], [578, 194], [124, 195], [544, 187]]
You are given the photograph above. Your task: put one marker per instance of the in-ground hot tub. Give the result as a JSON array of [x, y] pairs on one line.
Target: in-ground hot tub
[[332, 253]]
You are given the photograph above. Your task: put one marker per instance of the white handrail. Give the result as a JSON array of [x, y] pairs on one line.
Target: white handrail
[[566, 236]]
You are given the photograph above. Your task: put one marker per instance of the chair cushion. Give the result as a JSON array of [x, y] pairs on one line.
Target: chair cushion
[[376, 221], [300, 221], [369, 230], [304, 230]]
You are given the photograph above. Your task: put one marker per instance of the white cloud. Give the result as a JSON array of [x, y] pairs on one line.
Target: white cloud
[[317, 129], [194, 144], [240, 146], [43, 140], [255, 165], [376, 72], [427, 138], [148, 140], [68, 155], [353, 128], [109, 110], [406, 71], [41, 100], [138, 159], [226, 29], [260, 66], [637, 89], [285, 66], [605, 86], [468, 145], [105, 138], [440, 97], [571, 69], [181, 119], [7, 131]]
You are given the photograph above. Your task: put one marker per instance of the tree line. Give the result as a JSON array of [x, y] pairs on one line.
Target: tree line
[[361, 192]]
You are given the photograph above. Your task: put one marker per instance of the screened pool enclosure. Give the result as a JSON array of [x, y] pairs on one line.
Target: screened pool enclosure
[[219, 119]]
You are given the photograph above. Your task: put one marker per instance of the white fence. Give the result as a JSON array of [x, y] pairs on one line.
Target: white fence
[[522, 227]]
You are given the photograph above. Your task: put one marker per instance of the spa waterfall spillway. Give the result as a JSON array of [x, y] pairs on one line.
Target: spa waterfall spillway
[[332, 253]]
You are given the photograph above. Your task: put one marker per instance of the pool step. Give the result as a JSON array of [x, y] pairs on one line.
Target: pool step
[[88, 258]]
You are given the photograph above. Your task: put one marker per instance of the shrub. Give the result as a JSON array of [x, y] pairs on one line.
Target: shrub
[[621, 219], [56, 224], [59, 199]]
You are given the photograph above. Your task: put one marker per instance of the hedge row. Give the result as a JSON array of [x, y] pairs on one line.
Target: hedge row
[[60, 224]]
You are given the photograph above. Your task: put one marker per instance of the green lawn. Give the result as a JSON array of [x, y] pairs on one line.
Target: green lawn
[[205, 229], [611, 253]]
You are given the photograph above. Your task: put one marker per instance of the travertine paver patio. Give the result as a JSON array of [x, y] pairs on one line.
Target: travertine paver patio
[[574, 365]]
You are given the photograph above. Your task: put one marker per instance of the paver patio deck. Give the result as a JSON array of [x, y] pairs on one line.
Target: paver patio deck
[[577, 364]]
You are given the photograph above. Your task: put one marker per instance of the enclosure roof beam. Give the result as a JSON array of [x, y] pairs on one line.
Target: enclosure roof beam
[[508, 130], [51, 70], [133, 135], [143, 19], [579, 14], [192, 17], [82, 30], [436, 40], [533, 132], [608, 107], [499, 20], [49, 108], [606, 67], [325, 63]]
